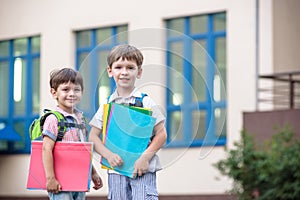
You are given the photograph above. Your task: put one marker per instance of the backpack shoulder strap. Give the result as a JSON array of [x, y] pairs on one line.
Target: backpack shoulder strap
[[107, 100], [139, 101], [62, 123], [61, 126]]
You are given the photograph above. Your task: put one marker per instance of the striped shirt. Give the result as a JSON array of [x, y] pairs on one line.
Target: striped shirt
[[72, 134]]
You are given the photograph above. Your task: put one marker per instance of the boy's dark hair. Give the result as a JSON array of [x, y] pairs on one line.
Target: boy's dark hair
[[125, 51], [65, 75]]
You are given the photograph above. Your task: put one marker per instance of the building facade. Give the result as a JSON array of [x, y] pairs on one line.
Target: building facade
[[202, 63]]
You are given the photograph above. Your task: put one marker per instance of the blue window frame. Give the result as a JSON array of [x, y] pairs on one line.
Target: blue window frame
[[196, 80], [20, 92], [92, 48]]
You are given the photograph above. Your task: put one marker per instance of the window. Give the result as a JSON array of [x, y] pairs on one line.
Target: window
[[92, 48], [196, 80], [20, 92]]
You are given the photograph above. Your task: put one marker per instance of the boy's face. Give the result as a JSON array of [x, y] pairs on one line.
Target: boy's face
[[124, 72], [68, 95]]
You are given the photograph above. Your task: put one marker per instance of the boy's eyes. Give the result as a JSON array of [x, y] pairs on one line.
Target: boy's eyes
[[127, 67], [67, 89]]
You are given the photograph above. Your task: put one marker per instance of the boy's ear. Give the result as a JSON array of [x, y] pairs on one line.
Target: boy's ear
[[53, 92], [139, 75], [109, 72]]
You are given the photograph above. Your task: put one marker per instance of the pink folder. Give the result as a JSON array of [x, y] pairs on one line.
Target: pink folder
[[72, 166]]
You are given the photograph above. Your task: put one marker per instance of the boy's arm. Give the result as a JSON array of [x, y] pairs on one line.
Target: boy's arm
[[52, 184], [112, 158], [159, 139]]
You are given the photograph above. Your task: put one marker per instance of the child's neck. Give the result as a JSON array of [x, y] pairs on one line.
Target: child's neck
[[67, 110]]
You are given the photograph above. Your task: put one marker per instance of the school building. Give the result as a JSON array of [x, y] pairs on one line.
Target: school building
[[205, 63]]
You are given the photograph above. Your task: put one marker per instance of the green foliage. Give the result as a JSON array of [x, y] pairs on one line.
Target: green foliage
[[269, 172]]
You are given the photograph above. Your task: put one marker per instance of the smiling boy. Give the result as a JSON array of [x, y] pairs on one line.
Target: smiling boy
[[66, 87], [125, 66]]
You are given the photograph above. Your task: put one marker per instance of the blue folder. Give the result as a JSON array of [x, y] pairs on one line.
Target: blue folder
[[128, 135]]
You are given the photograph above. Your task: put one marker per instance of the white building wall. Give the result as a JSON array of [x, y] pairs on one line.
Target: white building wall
[[286, 35], [265, 51], [186, 171]]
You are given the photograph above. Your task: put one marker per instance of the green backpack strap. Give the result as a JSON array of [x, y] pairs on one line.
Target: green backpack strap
[[62, 127], [36, 127]]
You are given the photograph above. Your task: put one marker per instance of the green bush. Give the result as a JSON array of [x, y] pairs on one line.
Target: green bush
[[270, 171]]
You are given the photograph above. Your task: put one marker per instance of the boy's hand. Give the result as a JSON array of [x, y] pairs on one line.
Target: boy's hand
[[114, 160], [53, 185], [141, 166], [97, 181]]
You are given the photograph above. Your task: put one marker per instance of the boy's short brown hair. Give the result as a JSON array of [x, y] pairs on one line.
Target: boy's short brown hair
[[125, 51], [65, 75]]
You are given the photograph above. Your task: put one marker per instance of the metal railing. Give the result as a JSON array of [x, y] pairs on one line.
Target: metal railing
[[279, 90]]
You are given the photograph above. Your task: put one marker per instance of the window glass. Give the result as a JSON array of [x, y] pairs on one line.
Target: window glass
[[122, 34], [84, 61], [20, 128], [104, 36], [104, 82], [175, 27], [220, 116], [176, 127], [220, 76], [20, 46], [221, 52], [219, 21], [84, 39], [199, 121], [35, 44], [4, 80], [36, 86], [3, 145], [4, 48], [198, 24], [19, 86], [199, 70], [176, 74], [86, 73]]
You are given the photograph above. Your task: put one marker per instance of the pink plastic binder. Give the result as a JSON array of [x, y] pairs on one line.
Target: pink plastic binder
[[72, 166]]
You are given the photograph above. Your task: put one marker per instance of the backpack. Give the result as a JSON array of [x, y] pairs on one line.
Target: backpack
[[138, 101], [36, 127]]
